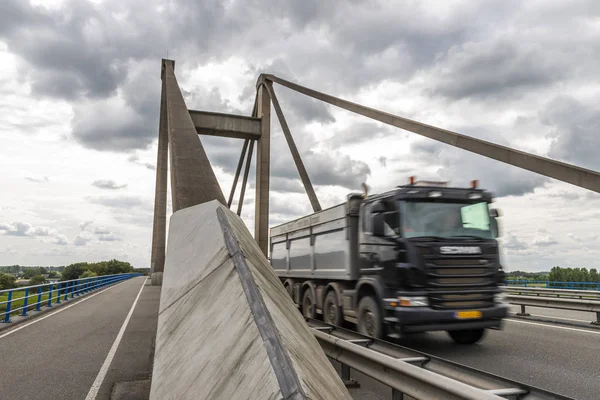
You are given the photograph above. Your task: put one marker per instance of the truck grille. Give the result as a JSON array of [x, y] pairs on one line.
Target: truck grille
[[460, 282]]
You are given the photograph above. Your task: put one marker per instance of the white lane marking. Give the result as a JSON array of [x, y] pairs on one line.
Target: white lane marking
[[111, 354], [35, 321], [554, 326]]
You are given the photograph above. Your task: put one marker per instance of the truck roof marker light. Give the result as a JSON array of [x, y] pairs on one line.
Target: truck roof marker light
[[435, 193], [473, 196], [474, 184]]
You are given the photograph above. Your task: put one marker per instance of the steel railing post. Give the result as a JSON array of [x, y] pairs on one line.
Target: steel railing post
[[50, 296], [7, 311], [39, 301], [58, 293], [25, 302]]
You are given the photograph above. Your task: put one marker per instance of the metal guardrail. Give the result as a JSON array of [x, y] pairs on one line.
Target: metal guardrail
[[563, 299], [51, 293], [416, 374], [555, 285]]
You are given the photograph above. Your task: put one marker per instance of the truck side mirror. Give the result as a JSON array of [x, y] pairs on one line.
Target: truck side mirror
[[494, 213], [494, 227], [378, 224]]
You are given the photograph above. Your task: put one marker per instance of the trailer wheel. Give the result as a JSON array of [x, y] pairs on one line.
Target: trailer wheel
[[308, 304], [332, 312], [370, 322], [467, 336]]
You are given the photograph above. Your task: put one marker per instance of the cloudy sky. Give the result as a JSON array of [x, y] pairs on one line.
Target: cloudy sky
[[80, 91]]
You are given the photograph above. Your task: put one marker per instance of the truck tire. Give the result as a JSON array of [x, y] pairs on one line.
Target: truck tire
[[308, 304], [289, 289], [332, 312], [370, 322], [467, 336]]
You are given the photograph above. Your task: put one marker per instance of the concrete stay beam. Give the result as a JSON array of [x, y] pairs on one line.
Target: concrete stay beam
[[572, 174], [157, 259], [263, 166], [227, 328], [225, 125], [310, 191], [193, 180]]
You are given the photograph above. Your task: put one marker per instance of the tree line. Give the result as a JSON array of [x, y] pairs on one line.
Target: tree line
[[15, 269], [73, 271], [557, 274]]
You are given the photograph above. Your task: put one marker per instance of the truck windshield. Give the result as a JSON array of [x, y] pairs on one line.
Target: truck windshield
[[445, 219]]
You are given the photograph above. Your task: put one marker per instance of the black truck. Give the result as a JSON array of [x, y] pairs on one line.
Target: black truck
[[421, 257]]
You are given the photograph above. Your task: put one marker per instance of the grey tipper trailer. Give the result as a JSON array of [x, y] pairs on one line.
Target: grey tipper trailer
[[319, 246], [418, 258]]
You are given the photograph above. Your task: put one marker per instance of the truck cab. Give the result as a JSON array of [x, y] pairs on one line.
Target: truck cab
[[430, 254]]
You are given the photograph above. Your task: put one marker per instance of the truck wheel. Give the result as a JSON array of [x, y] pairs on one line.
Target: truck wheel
[[289, 289], [467, 336], [308, 304], [370, 322], [332, 312]]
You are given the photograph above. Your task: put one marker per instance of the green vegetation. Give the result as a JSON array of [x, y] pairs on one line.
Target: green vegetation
[[37, 280], [7, 281], [77, 270], [15, 269], [557, 274], [527, 276]]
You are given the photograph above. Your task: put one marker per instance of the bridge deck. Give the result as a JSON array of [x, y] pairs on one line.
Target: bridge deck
[[61, 356]]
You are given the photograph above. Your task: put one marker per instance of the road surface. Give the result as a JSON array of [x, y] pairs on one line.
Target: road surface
[[62, 355]]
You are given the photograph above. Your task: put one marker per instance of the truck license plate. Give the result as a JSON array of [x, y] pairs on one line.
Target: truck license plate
[[467, 314]]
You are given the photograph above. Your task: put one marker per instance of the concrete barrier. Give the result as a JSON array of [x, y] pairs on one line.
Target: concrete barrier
[[227, 329]]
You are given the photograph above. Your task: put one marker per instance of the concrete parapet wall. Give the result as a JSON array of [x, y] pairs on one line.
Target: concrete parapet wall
[[227, 328]]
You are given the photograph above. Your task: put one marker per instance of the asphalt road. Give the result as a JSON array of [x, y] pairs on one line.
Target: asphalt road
[[559, 358], [60, 356]]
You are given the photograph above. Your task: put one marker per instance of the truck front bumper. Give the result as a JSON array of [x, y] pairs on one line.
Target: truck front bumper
[[422, 319]]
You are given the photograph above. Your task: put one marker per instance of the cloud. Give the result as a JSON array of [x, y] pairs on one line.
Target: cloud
[[37, 180], [82, 239], [543, 238], [101, 231], [134, 158], [580, 239], [124, 202], [513, 243], [518, 66], [326, 168], [108, 184], [25, 229], [16, 228], [109, 237], [574, 128], [85, 224], [61, 240]]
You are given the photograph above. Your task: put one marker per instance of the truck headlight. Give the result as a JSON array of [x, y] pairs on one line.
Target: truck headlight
[[413, 301]]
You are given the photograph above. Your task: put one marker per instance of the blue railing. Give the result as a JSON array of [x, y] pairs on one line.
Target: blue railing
[[556, 285], [48, 294]]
